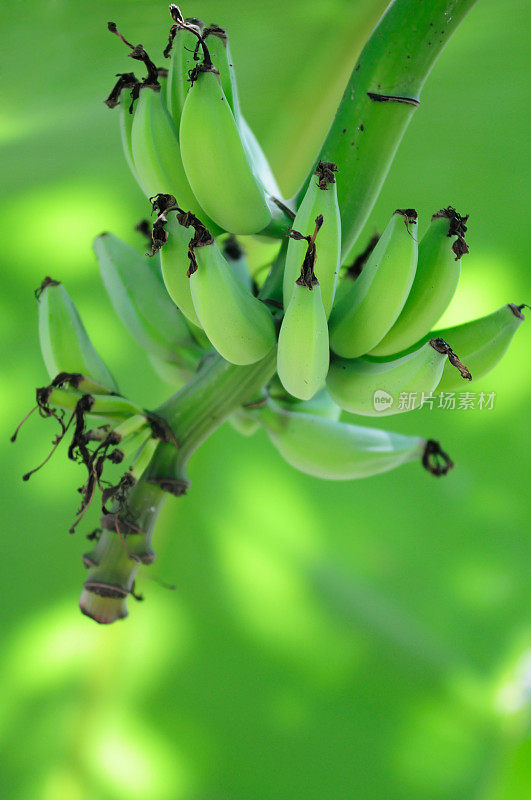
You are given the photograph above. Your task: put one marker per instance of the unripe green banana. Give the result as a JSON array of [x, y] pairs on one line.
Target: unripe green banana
[[238, 324], [367, 312], [320, 405], [320, 199], [339, 451], [436, 279], [109, 406], [174, 263], [215, 159], [373, 388], [126, 127], [219, 48], [140, 300], [303, 351], [183, 44], [481, 343], [243, 423], [156, 153], [65, 344]]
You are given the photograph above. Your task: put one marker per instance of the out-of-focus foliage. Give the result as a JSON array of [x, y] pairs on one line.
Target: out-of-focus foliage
[[364, 640]]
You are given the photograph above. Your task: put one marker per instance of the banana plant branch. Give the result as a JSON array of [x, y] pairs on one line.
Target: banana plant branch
[[194, 413], [380, 99]]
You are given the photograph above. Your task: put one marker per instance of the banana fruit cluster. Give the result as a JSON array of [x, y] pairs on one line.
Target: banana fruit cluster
[[341, 334]]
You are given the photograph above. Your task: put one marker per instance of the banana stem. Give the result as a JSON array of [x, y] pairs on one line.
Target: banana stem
[[218, 389], [195, 412], [379, 101]]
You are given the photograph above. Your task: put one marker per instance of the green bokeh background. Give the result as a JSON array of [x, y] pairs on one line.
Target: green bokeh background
[[356, 641]]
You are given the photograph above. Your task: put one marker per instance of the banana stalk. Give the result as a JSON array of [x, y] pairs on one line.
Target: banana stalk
[[380, 99]]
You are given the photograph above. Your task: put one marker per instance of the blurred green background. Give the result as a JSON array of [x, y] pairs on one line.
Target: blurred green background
[[366, 641]]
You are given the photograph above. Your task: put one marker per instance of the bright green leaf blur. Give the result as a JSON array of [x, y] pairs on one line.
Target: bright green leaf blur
[[357, 641]]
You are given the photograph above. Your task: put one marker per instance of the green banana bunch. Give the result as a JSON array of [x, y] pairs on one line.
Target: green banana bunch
[[182, 45], [141, 302], [214, 157], [65, 345], [303, 351], [373, 388], [334, 450], [481, 343], [320, 200], [150, 138], [436, 279], [368, 310], [238, 324]]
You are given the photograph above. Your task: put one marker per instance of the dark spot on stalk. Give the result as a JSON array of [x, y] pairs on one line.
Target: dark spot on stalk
[[362, 127], [444, 348], [94, 536], [325, 173], [393, 98], [359, 262], [175, 486], [344, 130], [106, 589], [138, 597], [108, 523], [161, 429], [435, 460]]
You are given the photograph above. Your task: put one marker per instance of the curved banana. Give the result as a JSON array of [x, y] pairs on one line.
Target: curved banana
[[481, 343], [155, 150], [65, 345], [238, 324], [174, 263], [215, 159], [320, 405], [182, 45], [340, 451], [303, 351], [126, 127], [366, 313], [141, 302], [219, 48], [320, 199], [436, 279], [373, 389]]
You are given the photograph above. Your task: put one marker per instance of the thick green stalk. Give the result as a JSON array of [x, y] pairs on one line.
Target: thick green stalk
[[218, 389], [380, 99], [195, 412]]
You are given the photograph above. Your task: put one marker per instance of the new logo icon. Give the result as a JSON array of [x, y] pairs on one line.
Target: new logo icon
[[382, 400]]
